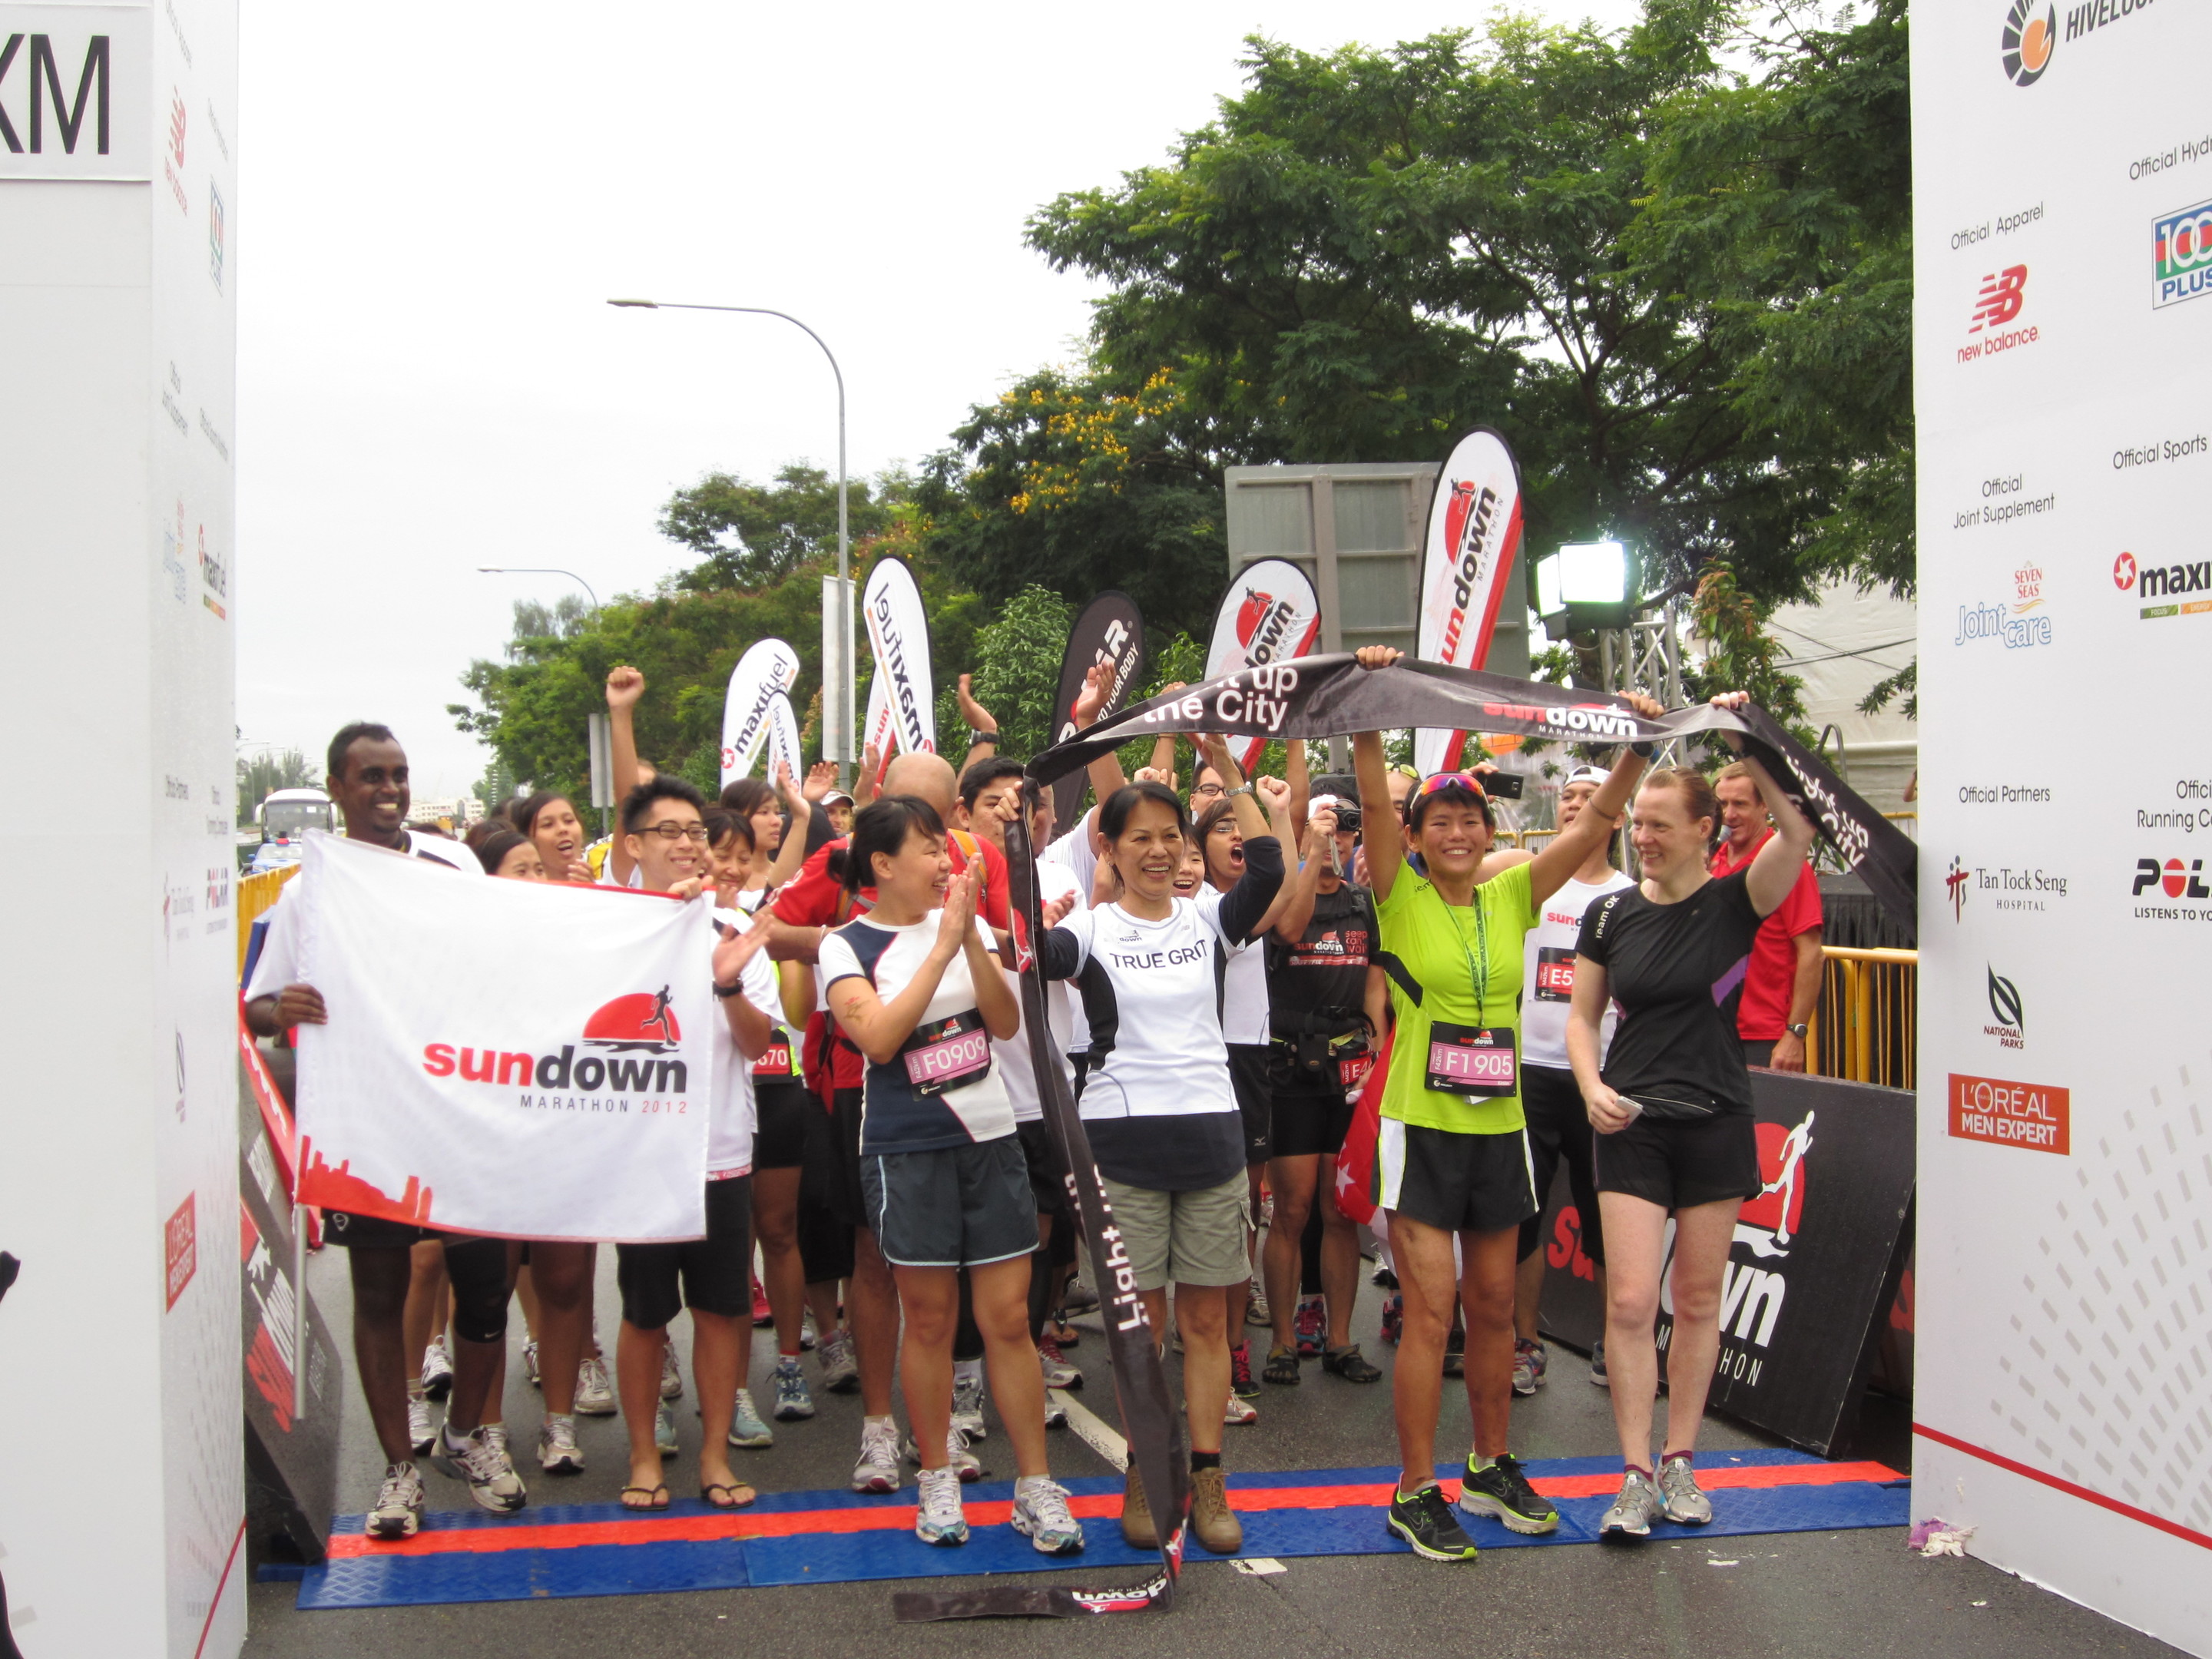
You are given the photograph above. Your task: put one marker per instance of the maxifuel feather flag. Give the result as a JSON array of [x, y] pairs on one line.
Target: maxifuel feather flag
[[1269, 614], [521, 1058], [898, 635], [767, 671], [1474, 537], [1109, 630]]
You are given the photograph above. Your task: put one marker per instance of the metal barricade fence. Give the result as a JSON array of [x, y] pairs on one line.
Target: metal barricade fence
[[1865, 1027], [256, 895]]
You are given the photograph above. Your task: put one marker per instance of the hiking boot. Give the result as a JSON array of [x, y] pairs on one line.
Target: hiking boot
[[1138, 1531], [1213, 1522]]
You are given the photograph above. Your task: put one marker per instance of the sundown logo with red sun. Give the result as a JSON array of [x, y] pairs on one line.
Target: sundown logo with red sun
[[2028, 42], [632, 1029]]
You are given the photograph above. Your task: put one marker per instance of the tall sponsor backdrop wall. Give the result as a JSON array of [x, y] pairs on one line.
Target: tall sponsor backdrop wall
[[2063, 201], [118, 1139]]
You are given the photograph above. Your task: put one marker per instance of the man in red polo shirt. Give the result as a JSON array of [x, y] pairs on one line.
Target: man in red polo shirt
[[1782, 986], [811, 904]]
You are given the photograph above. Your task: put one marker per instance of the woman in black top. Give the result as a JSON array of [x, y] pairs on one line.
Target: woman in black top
[[1672, 1107]]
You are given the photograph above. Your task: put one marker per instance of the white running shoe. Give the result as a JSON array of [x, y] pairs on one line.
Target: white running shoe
[[399, 1511], [841, 1371], [1238, 1412], [486, 1467], [530, 1364], [672, 1375], [808, 1335], [437, 1370], [1255, 1312], [793, 1402], [1041, 1514], [1633, 1510], [557, 1450], [938, 1518], [664, 1430], [962, 1461], [1055, 1416], [968, 1406], [878, 1467], [595, 1393], [1683, 1503], [421, 1432], [747, 1428], [1058, 1373]]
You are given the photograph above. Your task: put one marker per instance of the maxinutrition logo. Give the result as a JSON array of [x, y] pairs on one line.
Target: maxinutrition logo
[[2172, 583]]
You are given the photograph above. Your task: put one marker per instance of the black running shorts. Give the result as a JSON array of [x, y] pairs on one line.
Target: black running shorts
[[959, 1206], [1462, 1183], [1248, 1075], [781, 1105], [1559, 1128], [1678, 1163], [714, 1274], [1048, 1174]]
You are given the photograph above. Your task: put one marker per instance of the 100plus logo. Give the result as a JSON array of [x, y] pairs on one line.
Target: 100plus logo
[[2181, 256]]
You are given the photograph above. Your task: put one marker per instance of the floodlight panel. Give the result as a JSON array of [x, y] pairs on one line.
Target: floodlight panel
[[1549, 601], [1594, 573]]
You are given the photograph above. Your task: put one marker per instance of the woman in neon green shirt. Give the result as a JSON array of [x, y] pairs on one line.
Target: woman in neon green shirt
[[1454, 1164]]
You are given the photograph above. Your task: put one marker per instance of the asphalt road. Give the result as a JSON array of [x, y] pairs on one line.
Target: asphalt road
[[1835, 1595]]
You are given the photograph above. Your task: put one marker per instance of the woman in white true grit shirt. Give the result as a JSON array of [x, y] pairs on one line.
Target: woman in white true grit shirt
[[1158, 1102]]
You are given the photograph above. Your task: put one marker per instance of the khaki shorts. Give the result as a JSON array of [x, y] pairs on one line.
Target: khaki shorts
[[1192, 1238]]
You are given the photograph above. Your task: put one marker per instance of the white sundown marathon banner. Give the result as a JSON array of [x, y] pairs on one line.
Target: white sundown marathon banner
[[783, 738], [898, 635], [2062, 199], [1474, 537], [1269, 614], [521, 1058], [767, 671]]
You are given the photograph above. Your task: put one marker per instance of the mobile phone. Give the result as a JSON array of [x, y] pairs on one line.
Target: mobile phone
[[1502, 785]]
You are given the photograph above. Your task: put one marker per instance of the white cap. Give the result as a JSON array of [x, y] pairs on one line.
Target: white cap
[[1596, 774]]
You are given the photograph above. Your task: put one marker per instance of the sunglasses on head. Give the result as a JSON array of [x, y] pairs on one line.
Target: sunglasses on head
[[1443, 780]]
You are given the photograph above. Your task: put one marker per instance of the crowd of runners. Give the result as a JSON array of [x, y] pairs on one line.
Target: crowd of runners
[[1226, 963]]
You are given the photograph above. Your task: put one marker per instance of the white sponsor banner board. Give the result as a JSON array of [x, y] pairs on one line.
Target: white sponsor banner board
[[528, 1059], [76, 98], [898, 634], [1466, 560], [769, 668], [1269, 614], [2062, 188]]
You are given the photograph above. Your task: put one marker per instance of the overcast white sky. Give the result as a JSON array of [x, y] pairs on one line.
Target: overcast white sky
[[436, 200]]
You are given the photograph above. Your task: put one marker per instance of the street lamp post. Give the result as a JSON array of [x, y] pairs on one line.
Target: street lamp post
[[538, 570], [844, 692]]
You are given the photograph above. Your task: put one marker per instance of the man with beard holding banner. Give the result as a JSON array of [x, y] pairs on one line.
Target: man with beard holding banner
[[1455, 1155]]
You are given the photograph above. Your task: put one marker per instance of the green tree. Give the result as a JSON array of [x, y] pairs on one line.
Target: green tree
[[1015, 662], [750, 535], [272, 768]]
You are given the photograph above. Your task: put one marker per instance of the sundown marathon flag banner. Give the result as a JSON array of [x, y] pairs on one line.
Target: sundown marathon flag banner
[[1475, 536], [769, 668], [527, 1059], [898, 635], [1268, 614], [1111, 630], [1332, 696]]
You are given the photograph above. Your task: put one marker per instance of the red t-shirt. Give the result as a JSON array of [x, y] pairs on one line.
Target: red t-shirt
[[1762, 1015], [814, 899]]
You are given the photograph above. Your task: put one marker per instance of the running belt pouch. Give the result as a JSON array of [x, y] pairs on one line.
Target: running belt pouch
[[947, 1053], [1673, 1110], [1475, 1060]]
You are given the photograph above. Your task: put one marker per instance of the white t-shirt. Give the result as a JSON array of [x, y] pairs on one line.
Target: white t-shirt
[[1073, 853], [1244, 999], [1548, 971], [278, 964], [906, 1108], [732, 1116], [1161, 1111], [1054, 882]]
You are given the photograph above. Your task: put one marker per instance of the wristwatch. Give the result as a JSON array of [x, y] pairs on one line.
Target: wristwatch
[[1798, 1030], [975, 737]]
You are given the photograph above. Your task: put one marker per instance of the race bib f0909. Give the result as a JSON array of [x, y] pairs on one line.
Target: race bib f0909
[[1475, 1060], [947, 1053]]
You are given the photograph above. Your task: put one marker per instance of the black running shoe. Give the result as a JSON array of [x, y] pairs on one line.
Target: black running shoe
[[1425, 1521], [1501, 1491]]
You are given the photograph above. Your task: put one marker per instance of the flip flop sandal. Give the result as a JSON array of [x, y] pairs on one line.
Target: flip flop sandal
[[734, 1487], [656, 1497]]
